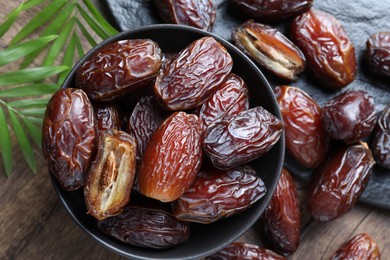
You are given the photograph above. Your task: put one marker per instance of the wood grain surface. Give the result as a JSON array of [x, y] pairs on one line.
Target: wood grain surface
[[34, 225]]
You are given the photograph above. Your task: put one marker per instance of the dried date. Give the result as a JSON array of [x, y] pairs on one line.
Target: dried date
[[193, 75], [196, 13], [109, 181], [119, 68], [235, 140], [380, 143], [339, 181], [329, 52], [69, 137], [271, 49], [282, 216], [361, 246], [378, 53], [107, 117], [306, 140], [349, 116], [172, 158], [143, 227], [218, 194]]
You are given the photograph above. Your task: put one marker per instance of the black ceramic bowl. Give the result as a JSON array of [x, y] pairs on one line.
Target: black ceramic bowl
[[204, 239]]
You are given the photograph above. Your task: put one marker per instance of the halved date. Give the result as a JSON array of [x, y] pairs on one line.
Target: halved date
[[107, 117], [378, 53], [361, 246], [119, 68], [271, 49], [235, 140], [172, 158], [144, 227], [109, 181], [218, 194], [339, 181], [193, 75], [380, 143], [69, 137], [328, 50]]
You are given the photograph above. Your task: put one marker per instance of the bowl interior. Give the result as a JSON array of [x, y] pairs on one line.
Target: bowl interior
[[204, 239]]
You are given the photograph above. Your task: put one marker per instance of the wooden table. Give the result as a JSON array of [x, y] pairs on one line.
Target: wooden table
[[34, 225]]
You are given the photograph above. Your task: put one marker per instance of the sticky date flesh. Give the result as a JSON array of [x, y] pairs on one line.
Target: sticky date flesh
[[143, 227], [361, 246], [378, 53], [69, 137], [380, 143]]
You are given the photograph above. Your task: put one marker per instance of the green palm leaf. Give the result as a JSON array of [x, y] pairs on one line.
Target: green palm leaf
[[30, 75], [5, 144]]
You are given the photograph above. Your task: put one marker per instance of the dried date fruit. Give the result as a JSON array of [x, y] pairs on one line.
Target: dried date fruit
[[361, 246], [239, 250], [144, 227], [109, 181], [107, 117], [119, 68], [380, 143], [69, 137], [231, 98], [235, 140], [349, 116], [193, 75], [339, 181], [218, 194], [378, 53], [172, 158], [329, 52], [270, 48], [273, 10], [196, 13], [306, 141], [282, 216]]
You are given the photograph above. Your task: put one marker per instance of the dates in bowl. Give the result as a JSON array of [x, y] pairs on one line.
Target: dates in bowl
[[204, 239]]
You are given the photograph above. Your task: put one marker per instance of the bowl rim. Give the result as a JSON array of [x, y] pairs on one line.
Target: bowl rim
[[270, 190]]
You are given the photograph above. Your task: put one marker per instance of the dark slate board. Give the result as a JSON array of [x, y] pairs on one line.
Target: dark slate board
[[360, 18]]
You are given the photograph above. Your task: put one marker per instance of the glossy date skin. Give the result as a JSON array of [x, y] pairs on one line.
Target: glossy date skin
[[378, 53], [231, 98], [196, 13], [282, 216], [306, 140], [361, 246], [272, 10], [172, 158], [189, 79], [107, 117], [239, 250], [218, 194], [235, 140], [328, 50], [349, 117], [119, 68], [271, 49], [144, 227], [69, 137], [380, 143], [339, 181]]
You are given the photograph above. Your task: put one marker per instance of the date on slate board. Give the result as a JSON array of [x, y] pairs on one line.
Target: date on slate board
[[360, 18]]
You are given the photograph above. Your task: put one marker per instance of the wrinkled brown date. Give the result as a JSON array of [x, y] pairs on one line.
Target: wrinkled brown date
[[282, 215], [272, 10], [235, 140], [143, 227], [69, 137], [339, 181], [361, 246], [195, 13], [378, 53], [218, 194], [329, 52], [193, 75], [144, 120], [271, 49], [306, 141], [231, 98], [107, 117], [239, 250], [109, 181], [172, 158], [380, 143], [349, 116], [119, 68]]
